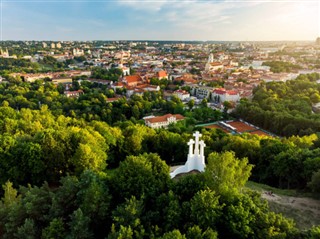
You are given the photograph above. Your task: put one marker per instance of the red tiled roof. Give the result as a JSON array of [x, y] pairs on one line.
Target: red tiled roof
[[216, 64], [232, 92], [220, 91], [179, 117], [142, 86], [162, 74], [181, 92], [112, 99], [118, 84], [188, 80], [133, 78], [241, 127], [164, 118]]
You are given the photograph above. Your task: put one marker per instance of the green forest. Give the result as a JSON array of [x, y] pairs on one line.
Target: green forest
[[87, 168], [281, 66], [45, 64], [285, 108]]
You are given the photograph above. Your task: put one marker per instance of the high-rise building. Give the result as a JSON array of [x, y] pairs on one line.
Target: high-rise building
[[53, 45], [59, 45], [318, 41], [44, 45]]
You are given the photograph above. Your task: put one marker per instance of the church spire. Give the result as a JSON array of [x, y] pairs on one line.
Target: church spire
[[210, 58]]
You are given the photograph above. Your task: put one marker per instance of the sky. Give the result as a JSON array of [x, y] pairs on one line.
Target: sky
[[218, 20]]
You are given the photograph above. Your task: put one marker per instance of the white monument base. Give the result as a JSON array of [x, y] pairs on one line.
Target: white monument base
[[195, 159]]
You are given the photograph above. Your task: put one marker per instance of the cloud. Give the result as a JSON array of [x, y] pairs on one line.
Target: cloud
[[200, 18], [144, 5], [162, 19], [149, 19], [196, 17], [236, 19]]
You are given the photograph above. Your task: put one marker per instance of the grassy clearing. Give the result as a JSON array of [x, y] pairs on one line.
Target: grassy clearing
[[304, 219], [293, 204], [282, 192]]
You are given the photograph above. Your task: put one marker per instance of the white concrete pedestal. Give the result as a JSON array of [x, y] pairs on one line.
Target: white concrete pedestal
[[195, 159]]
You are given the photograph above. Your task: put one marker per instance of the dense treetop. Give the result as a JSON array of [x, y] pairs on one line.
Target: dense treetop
[[88, 168], [281, 66], [285, 108]]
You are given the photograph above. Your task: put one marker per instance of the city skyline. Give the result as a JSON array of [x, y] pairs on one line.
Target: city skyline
[[160, 20]]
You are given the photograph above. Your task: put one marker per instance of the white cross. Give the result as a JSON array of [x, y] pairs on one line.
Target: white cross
[[197, 135], [202, 145], [190, 143]]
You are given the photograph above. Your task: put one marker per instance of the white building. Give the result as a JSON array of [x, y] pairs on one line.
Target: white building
[[220, 95], [78, 52], [139, 90], [125, 55], [212, 65], [182, 94], [202, 92], [73, 94], [151, 88], [163, 121]]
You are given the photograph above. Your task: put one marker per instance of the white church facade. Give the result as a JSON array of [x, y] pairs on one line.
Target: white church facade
[[212, 65]]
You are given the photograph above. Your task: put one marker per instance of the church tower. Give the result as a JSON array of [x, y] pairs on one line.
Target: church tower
[[210, 58], [208, 64]]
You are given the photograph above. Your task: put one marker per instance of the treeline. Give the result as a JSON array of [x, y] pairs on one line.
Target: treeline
[[281, 66], [18, 65], [31, 114], [37, 146], [139, 200], [112, 74], [292, 162], [93, 105], [135, 198], [285, 108], [87, 168], [47, 63]]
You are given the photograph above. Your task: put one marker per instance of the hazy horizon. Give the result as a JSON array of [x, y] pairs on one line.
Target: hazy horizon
[[160, 20], [146, 40]]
